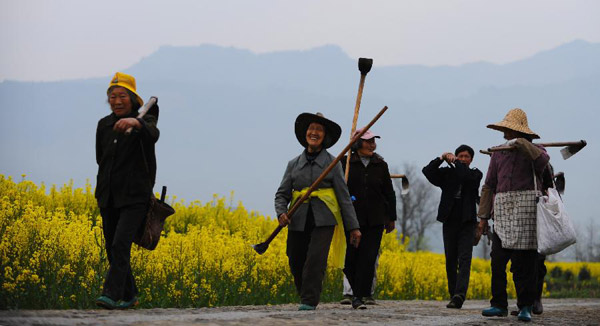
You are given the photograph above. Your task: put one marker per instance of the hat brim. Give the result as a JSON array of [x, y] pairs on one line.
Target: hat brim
[[501, 126], [139, 98], [332, 130]]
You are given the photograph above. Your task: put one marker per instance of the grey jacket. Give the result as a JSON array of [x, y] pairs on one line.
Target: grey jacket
[[300, 174]]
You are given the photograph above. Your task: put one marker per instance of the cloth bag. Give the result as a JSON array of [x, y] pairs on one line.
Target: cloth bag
[[149, 233], [555, 230]]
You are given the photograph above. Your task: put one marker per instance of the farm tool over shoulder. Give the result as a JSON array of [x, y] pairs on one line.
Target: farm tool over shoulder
[[262, 247], [364, 66], [570, 149]]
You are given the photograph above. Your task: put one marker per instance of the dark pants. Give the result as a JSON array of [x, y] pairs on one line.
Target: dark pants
[[458, 248], [120, 226], [359, 266], [523, 267], [307, 252], [540, 275]]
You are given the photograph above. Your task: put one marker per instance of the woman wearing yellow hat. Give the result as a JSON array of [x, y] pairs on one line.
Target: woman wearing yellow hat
[[512, 183], [126, 173]]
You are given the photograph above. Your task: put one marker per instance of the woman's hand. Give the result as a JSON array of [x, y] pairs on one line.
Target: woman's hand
[[390, 226], [283, 219], [123, 124], [355, 237]]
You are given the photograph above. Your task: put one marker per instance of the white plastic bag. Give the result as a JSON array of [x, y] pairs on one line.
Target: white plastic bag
[[555, 231]]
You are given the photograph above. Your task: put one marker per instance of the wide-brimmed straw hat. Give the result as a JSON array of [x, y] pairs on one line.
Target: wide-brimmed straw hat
[[515, 119], [126, 81], [332, 130]]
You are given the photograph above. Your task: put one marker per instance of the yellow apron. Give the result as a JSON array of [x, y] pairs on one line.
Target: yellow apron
[[337, 252]]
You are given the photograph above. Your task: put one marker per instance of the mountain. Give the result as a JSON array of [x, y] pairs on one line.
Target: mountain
[[227, 115]]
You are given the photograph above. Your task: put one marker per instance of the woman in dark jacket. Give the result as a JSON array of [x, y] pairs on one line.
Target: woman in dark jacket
[[126, 173], [320, 219], [374, 198]]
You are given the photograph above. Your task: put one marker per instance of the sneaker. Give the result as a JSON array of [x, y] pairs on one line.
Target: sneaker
[[370, 301], [305, 307], [347, 299], [537, 308], [525, 314], [357, 303], [456, 302], [128, 304], [494, 312], [106, 303]]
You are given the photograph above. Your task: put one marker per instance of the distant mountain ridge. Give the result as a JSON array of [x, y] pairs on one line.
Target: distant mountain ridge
[[227, 115]]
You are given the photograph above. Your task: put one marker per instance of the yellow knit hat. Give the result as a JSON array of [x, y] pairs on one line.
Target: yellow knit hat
[[515, 119], [126, 81]]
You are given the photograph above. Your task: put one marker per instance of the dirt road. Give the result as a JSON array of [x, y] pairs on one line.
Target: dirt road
[[557, 312]]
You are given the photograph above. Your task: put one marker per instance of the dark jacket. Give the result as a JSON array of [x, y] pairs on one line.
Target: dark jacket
[[123, 173], [450, 179], [300, 174], [371, 186]]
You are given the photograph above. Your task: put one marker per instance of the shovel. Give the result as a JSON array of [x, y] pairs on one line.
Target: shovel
[[405, 183], [570, 149], [364, 66], [262, 247]]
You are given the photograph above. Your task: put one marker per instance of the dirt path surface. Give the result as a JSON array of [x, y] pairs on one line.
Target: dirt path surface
[[556, 312]]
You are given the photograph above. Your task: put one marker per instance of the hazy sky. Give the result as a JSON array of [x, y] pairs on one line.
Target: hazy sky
[[65, 39]]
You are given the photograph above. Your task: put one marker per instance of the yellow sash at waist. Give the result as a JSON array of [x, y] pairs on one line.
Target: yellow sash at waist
[[337, 252]]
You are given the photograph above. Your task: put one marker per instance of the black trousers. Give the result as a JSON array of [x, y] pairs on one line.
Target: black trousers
[[307, 253], [359, 265], [120, 226], [458, 248], [524, 269]]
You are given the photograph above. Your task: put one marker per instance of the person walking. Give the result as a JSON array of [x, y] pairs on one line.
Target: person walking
[[457, 212], [126, 174], [325, 212], [374, 198], [513, 182]]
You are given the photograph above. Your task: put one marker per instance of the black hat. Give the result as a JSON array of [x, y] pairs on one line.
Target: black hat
[[332, 129]]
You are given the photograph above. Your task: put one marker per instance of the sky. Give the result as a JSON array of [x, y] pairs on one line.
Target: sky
[[47, 40]]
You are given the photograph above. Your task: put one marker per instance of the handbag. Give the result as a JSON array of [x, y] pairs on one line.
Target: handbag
[[158, 211], [555, 230], [149, 233]]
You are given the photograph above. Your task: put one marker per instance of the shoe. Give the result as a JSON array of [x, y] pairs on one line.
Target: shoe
[[494, 312], [128, 304], [537, 308], [357, 303], [346, 300], [370, 301], [305, 307], [525, 314], [456, 302], [106, 303]]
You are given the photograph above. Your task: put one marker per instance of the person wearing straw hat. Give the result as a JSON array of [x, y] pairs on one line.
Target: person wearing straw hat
[[513, 183], [126, 174], [320, 221], [457, 212], [374, 201]]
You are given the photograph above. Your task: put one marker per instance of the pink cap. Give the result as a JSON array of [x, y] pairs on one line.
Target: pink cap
[[367, 135]]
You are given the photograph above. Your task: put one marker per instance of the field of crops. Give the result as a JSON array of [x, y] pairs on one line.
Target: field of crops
[[52, 256]]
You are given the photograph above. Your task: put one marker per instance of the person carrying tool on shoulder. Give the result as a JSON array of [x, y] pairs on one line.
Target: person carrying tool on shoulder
[[511, 183], [313, 226], [457, 212], [126, 174], [374, 197]]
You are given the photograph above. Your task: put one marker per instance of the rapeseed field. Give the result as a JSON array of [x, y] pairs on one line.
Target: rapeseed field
[[52, 256]]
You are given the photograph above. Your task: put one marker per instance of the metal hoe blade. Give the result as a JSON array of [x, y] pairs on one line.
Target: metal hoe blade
[[571, 150]]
